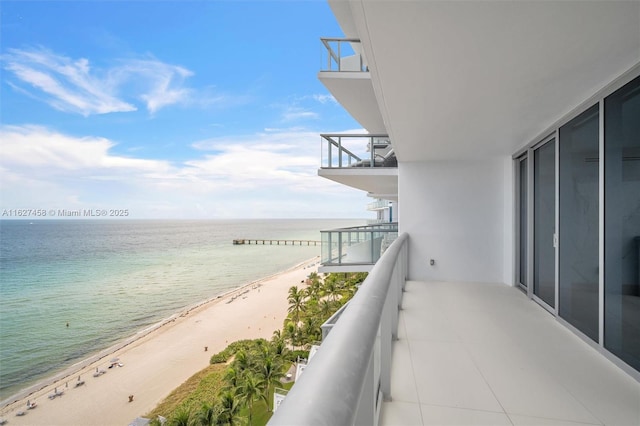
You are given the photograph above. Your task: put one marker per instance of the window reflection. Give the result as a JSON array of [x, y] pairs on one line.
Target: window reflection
[[622, 223]]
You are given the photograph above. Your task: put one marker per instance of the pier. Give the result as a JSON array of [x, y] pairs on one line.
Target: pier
[[265, 242]]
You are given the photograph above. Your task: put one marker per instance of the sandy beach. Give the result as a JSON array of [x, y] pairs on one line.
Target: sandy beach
[[157, 361]]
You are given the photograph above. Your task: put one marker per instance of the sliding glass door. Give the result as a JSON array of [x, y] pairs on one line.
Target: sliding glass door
[[622, 224], [579, 227], [544, 207], [578, 222]]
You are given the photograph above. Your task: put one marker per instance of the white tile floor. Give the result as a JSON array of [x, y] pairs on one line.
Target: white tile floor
[[484, 354]]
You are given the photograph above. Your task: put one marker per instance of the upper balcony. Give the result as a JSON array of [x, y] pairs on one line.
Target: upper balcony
[[362, 161], [346, 76], [378, 205], [343, 55]]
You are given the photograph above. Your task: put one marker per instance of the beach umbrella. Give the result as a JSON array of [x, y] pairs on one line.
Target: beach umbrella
[[114, 359]]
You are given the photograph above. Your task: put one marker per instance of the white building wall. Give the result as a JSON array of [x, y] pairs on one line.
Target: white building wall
[[454, 212]]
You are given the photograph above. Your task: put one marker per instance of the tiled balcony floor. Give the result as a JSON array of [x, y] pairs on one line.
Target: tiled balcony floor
[[484, 354]]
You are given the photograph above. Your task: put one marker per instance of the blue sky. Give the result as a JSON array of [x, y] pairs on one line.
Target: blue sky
[[190, 109]]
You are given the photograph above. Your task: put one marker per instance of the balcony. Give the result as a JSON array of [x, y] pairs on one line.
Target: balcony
[[343, 55], [345, 74], [378, 205], [376, 221], [355, 249], [370, 151], [363, 161], [455, 353]]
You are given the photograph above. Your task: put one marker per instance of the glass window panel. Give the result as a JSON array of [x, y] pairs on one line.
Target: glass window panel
[[579, 227], [622, 223], [544, 202]]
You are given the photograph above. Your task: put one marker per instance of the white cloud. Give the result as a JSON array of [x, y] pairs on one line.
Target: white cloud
[[65, 84], [37, 148], [277, 157], [325, 99], [296, 113], [73, 85], [271, 174], [303, 107], [163, 84]]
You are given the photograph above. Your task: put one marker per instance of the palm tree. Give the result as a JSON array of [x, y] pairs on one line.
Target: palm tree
[[229, 407], [241, 361], [296, 303], [331, 289], [291, 333], [249, 390], [181, 417], [278, 344], [349, 290], [271, 371], [311, 330], [232, 378], [314, 287], [208, 415], [325, 308], [293, 290]]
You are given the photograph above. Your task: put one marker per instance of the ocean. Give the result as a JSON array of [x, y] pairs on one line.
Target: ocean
[[70, 288]]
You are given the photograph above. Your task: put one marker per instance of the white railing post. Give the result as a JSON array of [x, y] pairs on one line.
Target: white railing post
[[400, 277], [366, 404], [395, 297], [386, 332]]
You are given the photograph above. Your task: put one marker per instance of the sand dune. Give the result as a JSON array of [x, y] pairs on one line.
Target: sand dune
[[160, 361]]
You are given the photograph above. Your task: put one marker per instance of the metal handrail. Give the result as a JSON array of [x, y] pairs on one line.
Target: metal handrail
[[351, 373], [341, 150], [379, 147], [386, 226], [337, 56]]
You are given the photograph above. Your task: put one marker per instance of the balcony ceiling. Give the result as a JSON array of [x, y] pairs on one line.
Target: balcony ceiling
[[354, 91], [378, 182], [467, 79]]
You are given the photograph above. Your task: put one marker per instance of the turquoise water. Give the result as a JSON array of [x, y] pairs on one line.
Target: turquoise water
[[110, 279]]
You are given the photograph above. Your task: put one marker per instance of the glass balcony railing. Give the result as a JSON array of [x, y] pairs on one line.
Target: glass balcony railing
[[378, 205], [354, 150], [343, 55], [359, 245]]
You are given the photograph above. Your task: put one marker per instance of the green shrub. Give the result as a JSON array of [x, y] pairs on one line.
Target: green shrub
[[293, 355], [246, 345]]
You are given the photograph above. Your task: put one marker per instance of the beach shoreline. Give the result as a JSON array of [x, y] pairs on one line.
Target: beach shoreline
[[226, 315]]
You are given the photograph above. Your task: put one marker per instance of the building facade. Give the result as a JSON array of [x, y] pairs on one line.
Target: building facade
[[516, 127]]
